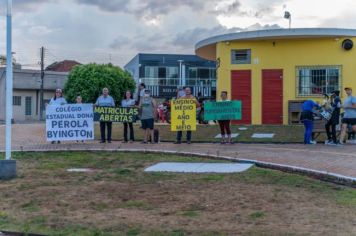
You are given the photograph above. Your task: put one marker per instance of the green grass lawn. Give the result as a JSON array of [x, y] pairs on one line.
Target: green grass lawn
[[118, 198], [206, 133]]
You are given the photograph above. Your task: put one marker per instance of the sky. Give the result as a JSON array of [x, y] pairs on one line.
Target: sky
[[104, 31]]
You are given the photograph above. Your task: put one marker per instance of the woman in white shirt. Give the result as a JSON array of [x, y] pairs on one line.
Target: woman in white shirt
[[58, 99], [128, 102]]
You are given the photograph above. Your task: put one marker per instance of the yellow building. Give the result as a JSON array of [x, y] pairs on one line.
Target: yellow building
[[268, 70]]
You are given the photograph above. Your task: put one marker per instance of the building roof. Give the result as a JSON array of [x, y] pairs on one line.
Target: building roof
[[207, 47], [62, 66]]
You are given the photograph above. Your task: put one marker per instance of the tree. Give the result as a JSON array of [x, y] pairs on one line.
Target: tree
[[89, 80]]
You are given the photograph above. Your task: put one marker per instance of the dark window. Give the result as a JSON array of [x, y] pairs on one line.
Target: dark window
[[162, 72], [193, 73], [28, 106], [241, 56], [203, 73], [16, 100]]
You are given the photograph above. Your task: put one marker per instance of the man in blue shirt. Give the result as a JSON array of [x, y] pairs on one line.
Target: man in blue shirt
[[307, 118]]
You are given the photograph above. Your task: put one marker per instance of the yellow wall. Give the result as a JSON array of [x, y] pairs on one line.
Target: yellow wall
[[285, 54]]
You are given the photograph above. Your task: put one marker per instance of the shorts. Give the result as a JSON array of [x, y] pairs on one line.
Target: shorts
[[349, 121], [147, 123]]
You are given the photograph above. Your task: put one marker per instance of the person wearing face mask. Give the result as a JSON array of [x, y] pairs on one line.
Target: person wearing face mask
[[105, 100], [128, 102], [148, 113], [188, 95], [57, 99]]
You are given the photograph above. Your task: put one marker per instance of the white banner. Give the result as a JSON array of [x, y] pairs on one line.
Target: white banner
[[69, 122]]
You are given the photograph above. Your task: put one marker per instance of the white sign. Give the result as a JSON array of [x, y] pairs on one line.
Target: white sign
[[69, 122]]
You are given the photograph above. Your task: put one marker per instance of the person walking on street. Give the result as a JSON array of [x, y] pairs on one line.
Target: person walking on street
[[349, 118], [188, 95], [148, 113], [128, 102], [105, 100]]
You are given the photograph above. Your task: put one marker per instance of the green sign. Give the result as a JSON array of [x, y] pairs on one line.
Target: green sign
[[230, 110]]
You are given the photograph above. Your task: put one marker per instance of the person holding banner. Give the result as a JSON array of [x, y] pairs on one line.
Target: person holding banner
[[105, 100], [57, 99], [128, 102], [148, 113], [225, 124], [188, 95]]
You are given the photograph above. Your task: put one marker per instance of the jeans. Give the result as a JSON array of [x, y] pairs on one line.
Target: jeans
[[308, 125], [131, 131], [102, 130], [180, 133]]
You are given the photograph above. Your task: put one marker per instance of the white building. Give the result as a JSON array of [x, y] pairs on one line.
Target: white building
[[26, 93]]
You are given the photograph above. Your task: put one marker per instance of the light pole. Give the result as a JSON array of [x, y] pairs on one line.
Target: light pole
[[288, 16], [9, 78], [8, 166]]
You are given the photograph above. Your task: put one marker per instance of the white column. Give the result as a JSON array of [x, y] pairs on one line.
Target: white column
[[183, 75], [9, 78]]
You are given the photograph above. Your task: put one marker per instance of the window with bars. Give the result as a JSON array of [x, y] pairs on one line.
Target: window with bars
[[241, 56], [28, 106], [317, 80], [16, 100]]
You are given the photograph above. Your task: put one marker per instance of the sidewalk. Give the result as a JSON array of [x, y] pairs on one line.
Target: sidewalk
[[327, 159]]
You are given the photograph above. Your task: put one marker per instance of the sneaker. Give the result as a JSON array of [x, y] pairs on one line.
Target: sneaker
[[312, 142], [327, 141], [330, 143], [340, 143], [189, 142]]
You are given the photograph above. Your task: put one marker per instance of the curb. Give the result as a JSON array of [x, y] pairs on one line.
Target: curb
[[316, 174]]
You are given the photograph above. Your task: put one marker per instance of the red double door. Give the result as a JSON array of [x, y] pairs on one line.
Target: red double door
[[272, 95]]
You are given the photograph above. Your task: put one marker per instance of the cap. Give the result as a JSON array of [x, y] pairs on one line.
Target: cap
[[336, 92]]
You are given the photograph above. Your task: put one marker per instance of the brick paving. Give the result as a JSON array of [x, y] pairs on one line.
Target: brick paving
[[336, 160]]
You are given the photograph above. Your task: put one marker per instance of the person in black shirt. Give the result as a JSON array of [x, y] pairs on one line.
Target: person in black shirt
[[335, 118]]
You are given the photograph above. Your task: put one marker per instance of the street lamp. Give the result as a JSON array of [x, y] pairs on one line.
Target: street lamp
[[288, 16]]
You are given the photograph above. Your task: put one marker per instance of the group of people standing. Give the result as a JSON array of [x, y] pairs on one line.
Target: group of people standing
[[332, 108], [148, 112]]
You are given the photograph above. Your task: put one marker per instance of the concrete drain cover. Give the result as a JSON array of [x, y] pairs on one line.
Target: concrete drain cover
[[79, 170], [198, 167]]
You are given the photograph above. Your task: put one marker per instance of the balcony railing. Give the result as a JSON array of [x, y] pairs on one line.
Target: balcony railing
[[178, 82]]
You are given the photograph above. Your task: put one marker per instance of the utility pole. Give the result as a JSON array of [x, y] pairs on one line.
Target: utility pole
[[42, 78]]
